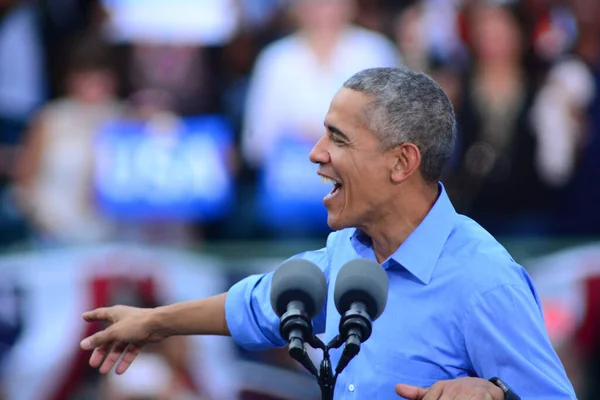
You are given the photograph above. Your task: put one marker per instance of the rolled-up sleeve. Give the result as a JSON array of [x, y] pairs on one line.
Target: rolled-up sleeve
[[251, 321], [506, 337]]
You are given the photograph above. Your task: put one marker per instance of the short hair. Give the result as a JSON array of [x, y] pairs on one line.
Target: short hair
[[409, 106]]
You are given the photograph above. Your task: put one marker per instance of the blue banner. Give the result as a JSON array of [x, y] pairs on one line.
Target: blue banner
[[290, 193], [167, 168]]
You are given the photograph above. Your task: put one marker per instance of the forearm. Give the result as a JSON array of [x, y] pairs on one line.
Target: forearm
[[198, 317]]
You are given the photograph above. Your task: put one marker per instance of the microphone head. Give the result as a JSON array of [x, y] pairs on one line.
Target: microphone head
[[298, 280], [365, 281]]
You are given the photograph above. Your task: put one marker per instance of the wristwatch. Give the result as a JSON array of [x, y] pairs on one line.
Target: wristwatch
[[508, 392]]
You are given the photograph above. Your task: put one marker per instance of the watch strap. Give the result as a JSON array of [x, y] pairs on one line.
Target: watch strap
[[509, 394]]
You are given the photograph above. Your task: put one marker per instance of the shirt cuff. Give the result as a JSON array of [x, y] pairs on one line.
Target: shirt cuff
[[251, 329]]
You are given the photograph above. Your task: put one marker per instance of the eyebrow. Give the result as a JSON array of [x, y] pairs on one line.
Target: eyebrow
[[336, 131]]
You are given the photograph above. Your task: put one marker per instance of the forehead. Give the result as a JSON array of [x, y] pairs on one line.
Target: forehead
[[348, 108]]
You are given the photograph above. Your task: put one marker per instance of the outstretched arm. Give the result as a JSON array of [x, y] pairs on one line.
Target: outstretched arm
[[131, 328], [244, 312]]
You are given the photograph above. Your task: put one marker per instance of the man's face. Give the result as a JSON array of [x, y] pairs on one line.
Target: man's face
[[324, 14], [351, 159]]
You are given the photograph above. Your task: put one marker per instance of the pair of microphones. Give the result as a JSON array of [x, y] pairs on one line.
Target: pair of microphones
[[298, 293]]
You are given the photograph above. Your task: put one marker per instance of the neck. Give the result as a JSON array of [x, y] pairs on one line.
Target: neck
[[403, 217], [502, 69], [323, 41]]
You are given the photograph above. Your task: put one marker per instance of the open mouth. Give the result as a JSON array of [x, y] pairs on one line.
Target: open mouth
[[336, 185]]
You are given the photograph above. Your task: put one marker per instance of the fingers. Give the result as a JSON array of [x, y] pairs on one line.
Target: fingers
[[112, 357], [130, 354], [455, 389], [108, 349], [497, 393], [99, 339], [107, 356], [436, 391], [99, 314], [410, 392], [99, 354]]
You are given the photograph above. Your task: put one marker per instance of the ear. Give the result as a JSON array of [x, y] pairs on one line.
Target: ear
[[407, 159]]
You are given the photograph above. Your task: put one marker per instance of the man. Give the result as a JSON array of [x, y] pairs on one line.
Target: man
[[460, 310]]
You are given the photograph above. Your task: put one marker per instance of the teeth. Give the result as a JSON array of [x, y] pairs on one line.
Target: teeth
[[327, 180]]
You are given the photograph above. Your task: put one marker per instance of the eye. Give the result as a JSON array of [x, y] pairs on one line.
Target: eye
[[336, 139]]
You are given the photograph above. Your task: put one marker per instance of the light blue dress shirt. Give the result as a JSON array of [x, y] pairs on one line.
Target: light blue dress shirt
[[458, 305]]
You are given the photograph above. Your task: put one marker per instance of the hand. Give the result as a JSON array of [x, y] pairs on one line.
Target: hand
[[455, 389], [131, 328]]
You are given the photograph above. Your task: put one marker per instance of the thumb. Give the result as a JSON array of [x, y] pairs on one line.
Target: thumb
[[410, 392]]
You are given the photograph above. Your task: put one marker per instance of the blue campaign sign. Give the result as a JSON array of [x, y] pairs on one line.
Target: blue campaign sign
[[290, 193], [168, 168]]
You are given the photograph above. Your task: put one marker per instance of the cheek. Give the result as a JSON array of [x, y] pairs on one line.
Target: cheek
[[367, 186]]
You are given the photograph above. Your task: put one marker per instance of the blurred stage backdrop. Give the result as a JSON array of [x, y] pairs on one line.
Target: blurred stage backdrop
[[44, 293]]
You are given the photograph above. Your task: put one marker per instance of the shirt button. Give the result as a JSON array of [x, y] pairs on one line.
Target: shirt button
[[351, 388]]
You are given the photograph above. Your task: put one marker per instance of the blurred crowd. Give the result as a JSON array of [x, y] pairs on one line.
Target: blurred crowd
[[524, 78]]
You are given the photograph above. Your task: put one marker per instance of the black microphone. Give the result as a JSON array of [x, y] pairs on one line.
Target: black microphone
[[360, 295], [298, 292]]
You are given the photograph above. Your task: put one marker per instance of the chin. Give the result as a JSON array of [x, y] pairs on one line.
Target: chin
[[336, 223]]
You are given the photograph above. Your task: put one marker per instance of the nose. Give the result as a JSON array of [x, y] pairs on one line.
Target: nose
[[319, 153]]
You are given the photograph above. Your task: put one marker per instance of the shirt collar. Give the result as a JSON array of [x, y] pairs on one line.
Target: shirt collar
[[421, 250]]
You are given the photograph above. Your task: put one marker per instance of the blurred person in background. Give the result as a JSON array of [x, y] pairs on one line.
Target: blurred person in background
[[411, 30], [566, 118], [554, 31], [409, 33], [61, 21], [55, 169], [496, 181], [427, 32], [22, 90], [257, 15], [197, 55], [172, 46], [182, 70], [295, 77], [154, 107]]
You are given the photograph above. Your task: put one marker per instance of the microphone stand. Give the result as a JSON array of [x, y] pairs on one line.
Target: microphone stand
[[325, 376], [355, 326]]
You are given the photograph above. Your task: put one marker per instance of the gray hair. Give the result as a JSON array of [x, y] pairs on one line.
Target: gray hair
[[409, 106]]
